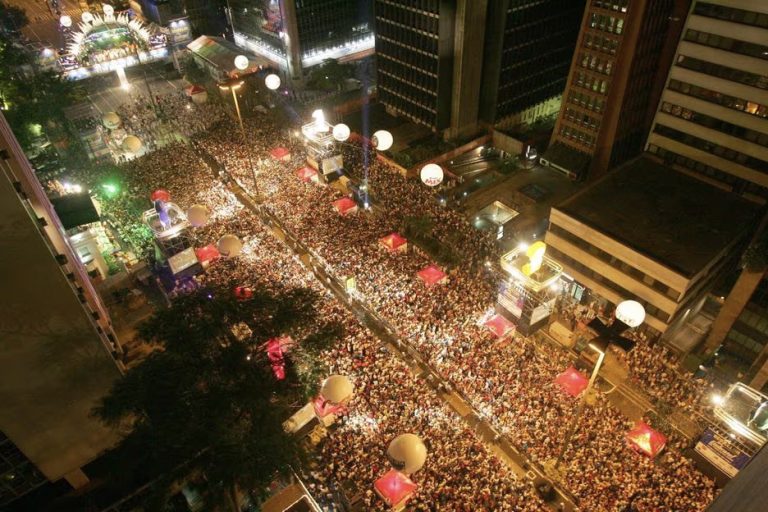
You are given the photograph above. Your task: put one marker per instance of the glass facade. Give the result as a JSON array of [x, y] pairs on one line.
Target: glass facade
[[534, 53], [413, 80], [323, 25], [18, 475]]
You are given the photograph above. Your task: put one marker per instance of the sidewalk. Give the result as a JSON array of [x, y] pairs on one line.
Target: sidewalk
[[494, 440]]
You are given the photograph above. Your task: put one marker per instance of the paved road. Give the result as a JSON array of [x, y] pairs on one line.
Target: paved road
[[106, 94], [43, 20], [497, 443]]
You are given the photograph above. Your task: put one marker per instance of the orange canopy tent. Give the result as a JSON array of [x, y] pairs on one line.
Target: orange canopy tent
[[306, 173], [646, 440], [395, 488], [280, 153], [499, 325], [572, 381], [394, 242], [431, 275], [345, 205], [207, 254]]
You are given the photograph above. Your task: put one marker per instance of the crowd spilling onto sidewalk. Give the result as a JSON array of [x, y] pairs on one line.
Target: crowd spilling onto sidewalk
[[509, 381]]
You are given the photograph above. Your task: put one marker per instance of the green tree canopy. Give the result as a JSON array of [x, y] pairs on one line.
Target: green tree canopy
[[207, 401], [329, 75], [12, 18], [33, 99]]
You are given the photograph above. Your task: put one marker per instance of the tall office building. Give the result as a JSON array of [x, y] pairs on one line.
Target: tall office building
[[712, 123], [58, 351], [452, 65], [528, 51], [298, 34], [611, 92], [712, 120]]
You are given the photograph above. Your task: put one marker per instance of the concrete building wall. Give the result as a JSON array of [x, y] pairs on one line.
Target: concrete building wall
[[58, 352], [712, 120]]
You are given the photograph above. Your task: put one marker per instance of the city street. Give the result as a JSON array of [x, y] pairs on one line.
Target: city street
[[491, 385], [106, 94]]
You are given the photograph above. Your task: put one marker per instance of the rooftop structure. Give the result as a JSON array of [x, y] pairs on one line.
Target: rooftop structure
[[647, 233]]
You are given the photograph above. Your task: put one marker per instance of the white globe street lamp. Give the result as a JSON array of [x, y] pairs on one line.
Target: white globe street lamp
[[108, 10], [241, 62], [229, 246], [198, 215], [407, 453], [383, 140], [272, 82], [341, 132], [337, 389], [432, 175], [65, 21], [131, 144], [87, 17], [630, 312]]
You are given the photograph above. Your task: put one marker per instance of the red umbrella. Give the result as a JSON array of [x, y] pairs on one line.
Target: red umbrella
[[160, 195]]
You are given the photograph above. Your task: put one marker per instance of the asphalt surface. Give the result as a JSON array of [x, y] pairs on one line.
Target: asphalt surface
[[106, 94], [44, 21], [387, 334]]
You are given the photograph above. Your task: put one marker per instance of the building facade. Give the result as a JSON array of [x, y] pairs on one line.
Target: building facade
[[712, 123], [414, 56], [712, 120], [529, 47], [651, 234], [454, 65], [298, 34], [59, 353], [612, 85]]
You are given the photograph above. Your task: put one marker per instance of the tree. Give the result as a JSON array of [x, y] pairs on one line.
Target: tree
[[418, 227], [330, 75], [509, 164], [207, 404], [193, 73], [12, 18], [32, 101]]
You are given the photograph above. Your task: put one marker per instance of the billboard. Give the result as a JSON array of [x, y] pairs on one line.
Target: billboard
[[512, 298], [723, 454], [333, 164], [542, 311]]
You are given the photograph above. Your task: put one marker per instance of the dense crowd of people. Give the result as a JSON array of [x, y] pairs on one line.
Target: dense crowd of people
[[510, 384], [383, 407], [160, 120]]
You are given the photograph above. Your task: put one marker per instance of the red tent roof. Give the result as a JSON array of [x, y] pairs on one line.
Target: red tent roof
[[645, 439], [393, 241], [243, 292], [306, 173], [194, 89], [499, 325], [279, 152], [344, 205], [431, 275], [572, 381], [394, 487], [276, 349], [160, 195], [207, 253], [323, 407]]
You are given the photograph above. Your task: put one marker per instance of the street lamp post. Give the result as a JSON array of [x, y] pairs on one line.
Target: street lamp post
[[599, 346], [233, 85], [629, 314]]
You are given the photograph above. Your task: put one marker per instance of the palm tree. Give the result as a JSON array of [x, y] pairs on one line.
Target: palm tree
[[206, 405]]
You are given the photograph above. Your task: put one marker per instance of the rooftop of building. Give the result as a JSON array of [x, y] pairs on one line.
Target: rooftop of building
[[672, 218], [565, 157]]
